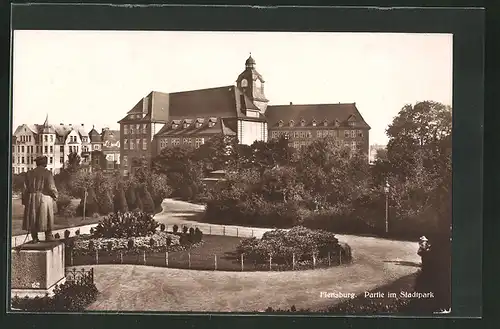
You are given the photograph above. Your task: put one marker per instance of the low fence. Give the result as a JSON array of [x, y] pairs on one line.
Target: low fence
[[215, 229], [80, 276], [197, 260]]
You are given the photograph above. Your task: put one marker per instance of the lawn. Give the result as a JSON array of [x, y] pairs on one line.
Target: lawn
[[215, 248], [60, 221]]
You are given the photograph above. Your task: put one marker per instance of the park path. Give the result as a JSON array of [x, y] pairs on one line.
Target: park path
[[185, 213], [376, 262]]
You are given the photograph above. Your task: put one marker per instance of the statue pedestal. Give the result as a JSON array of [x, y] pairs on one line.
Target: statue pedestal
[[37, 268]]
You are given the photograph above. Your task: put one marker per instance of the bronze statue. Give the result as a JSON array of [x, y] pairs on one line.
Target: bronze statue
[[38, 198]]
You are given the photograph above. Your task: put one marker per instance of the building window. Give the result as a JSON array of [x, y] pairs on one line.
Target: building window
[[46, 148], [353, 133], [45, 138], [346, 133], [296, 134], [145, 128], [360, 133], [302, 122], [138, 143], [280, 123], [144, 144], [176, 141], [291, 123], [51, 160], [138, 128], [125, 129], [132, 129], [22, 149], [314, 123], [29, 138], [51, 149], [354, 146], [198, 124], [22, 159], [296, 145], [199, 141], [31, 160], [351, 123], [51, 138], [131, 144], [125, 144], [325, 123], [61, 160]]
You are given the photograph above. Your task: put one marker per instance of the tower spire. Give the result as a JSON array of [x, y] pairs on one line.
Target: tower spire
[[46, 123]]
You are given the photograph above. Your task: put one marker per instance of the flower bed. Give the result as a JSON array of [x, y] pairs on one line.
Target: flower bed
[[157, 239]]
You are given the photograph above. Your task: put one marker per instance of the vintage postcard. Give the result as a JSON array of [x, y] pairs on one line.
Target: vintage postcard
[[231, 172]]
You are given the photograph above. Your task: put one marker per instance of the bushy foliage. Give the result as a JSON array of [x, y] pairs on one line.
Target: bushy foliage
[[63, 202], [124, 225], [282, 245], [119, 200], [131, 197], [73, 296], [175, 228], [18, 182], [91, 206], [148, 205]]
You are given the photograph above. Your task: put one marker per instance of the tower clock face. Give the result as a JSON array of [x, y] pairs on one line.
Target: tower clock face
[[244, 83]]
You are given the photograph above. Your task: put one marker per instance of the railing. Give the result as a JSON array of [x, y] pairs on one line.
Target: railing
[[80, 276]]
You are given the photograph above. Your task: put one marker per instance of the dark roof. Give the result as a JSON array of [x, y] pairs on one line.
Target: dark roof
[[319, 112], [95, 137], [203, 128], [226, 101], [218, 102], [153, 107]]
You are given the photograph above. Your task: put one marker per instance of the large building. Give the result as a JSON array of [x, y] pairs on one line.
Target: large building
[[241, 110], [105, 149], [54, 141], [302, 124]]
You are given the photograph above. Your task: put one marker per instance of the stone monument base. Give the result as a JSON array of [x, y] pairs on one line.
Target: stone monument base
[[37, 268]]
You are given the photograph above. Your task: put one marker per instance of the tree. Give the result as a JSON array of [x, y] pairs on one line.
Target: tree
[[418, 166], [266, 155], [88, 206], [73, 163], [147, 201], [119, 200], [80, 184], [218, 153], [18, 182], [131, 197]]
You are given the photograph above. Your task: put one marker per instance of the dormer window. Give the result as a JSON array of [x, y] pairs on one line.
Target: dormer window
[[280, 123], [325, 122], [212, 121], [199, 122], [337, 123], [314, 122], [291, 123], [175, 125], [186, 125], [302, 122]]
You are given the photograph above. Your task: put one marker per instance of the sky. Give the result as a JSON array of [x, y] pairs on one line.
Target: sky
[[95, 77]]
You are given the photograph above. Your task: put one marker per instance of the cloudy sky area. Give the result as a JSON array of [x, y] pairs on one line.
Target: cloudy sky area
[[95, 77]]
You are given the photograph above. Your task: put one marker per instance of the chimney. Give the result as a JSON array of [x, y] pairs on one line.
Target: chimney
[[70, 124], [291, 103], [61, 124], [82, 124]]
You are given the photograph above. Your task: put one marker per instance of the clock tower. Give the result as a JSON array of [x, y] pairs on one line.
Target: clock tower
[[252, 84]]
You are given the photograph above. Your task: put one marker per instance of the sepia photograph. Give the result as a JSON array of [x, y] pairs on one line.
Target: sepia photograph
[[235, 172]]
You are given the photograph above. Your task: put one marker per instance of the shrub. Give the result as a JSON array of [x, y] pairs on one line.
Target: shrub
[[185, 193], [131, 197], [110, 245], [138, 201], [175, 228], [283, 244], [198, 235], [67, 234], [63, 201], [129, 224], [184, 240], [57, 236], [130, 244], [152, 242], [92, 230], [91, 245], [77, 232], [162, 227], [72, 296], [147, 201], [168, 241], [184, 229], [120, 201], [105, 203], [91, 206]]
